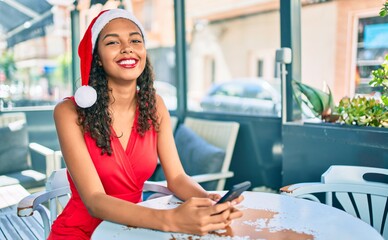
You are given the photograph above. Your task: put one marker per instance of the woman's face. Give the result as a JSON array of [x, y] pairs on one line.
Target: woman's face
[[121, 50]]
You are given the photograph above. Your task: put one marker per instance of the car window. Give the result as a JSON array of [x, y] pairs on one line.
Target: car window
[[252, 91]]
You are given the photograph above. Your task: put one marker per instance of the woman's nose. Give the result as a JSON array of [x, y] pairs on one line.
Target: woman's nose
[[126, 49]]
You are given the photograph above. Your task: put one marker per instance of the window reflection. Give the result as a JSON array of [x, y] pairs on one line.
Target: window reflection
[[227, 40], [35, 52], [372, 46], [340, 45], [158, 19], [35, 61], [232, 56]]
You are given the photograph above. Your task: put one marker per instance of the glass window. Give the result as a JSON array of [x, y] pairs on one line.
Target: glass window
[[158, 18], [372, 46], [35, 47], [231, 55], [342, 42], [35, 55]]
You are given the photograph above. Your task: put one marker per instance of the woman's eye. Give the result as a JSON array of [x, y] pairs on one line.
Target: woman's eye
[[112, 43], [136, 41]]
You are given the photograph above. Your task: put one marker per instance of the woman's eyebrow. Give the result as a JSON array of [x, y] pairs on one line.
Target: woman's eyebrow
[[135, 33], [117, 35], [110, 35]]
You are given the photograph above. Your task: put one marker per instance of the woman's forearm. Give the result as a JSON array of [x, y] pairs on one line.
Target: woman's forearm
[[184, 188], [123, 212]]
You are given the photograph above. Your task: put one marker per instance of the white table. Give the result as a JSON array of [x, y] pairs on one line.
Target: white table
[[12, 226], [266, 216]]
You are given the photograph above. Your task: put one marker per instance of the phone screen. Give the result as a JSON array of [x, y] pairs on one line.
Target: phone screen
[[235, 192]]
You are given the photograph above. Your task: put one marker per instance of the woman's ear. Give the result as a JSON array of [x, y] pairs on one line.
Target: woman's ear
[[98, 60]]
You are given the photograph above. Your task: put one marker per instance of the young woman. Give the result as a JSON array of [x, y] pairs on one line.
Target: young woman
[[111, 134]]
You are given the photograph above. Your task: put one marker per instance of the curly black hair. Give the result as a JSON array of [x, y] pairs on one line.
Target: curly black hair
[[97, 119]]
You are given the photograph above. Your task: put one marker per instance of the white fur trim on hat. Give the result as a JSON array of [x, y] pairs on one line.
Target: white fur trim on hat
[[108, 16]]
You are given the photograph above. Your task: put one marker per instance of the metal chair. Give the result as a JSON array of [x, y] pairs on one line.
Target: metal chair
[[222, 134], [56, 196], [360, 191], [16, 163]]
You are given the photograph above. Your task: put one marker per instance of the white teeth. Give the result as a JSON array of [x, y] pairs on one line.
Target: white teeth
[[130, 61]]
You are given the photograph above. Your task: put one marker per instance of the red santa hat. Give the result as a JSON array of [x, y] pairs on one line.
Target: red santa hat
[[86, 96]]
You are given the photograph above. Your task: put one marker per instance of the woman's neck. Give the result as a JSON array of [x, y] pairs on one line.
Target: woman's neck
[[123, 98]]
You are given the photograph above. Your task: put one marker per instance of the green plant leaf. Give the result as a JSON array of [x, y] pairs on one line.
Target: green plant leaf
[[320, 102]]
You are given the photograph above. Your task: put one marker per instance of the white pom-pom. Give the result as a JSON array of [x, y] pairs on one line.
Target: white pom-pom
[[85, 96]]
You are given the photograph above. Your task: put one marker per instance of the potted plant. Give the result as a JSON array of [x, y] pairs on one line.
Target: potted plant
[[360, 110]]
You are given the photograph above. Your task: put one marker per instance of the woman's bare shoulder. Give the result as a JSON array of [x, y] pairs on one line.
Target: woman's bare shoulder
[[161, 107], [65, 109]]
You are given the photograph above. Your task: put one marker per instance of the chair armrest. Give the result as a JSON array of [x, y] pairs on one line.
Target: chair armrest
[[157, 189], [160, 187], [29, 204], [211, 176], [303, 190], [307, 186], [52, 162]]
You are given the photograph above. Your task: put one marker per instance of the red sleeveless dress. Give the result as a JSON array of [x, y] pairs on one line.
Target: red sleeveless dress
[[122, 174]]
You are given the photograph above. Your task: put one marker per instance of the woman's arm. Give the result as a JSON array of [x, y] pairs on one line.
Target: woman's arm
[[177, 180]]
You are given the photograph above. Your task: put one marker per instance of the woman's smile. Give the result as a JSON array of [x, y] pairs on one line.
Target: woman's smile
[[128, 62]]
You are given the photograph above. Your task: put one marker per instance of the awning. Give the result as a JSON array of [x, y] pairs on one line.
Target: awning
[[24, 19], [21, 20]]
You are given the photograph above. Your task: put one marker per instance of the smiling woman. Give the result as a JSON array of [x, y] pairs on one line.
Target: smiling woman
[[111, 145]]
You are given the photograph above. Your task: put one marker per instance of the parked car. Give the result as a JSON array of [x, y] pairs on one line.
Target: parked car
[[169, 94], [253, 96]]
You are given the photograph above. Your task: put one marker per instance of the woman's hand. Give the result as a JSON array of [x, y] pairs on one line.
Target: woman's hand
[[214, 196], [237, 200], [200, 216]]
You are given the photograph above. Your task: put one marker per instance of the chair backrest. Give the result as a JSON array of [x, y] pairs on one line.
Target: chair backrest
[[14, 151], [222, 134], [7, 118], [16, 164], [356, 175], [57, 180], [360, 191]]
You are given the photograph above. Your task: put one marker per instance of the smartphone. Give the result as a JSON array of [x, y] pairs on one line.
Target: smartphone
[[235, 192]]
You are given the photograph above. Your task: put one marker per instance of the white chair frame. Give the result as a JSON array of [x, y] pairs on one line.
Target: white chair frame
[[367, 200], [222, 134]]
